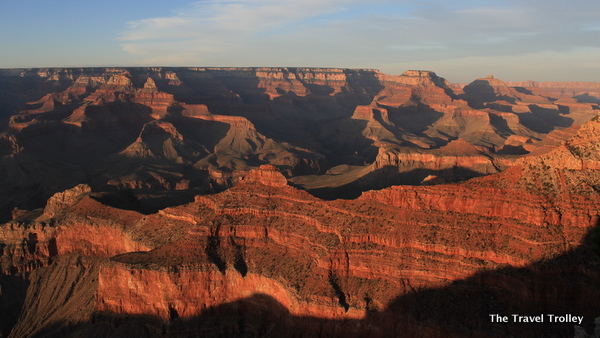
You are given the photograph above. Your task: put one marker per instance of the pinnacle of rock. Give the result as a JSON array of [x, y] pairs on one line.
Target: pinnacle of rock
[[150, 84]]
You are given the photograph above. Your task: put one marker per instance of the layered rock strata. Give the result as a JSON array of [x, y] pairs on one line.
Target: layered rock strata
[[403, 260]]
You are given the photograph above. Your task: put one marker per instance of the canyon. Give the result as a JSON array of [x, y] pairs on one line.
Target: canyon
[[294, 202]]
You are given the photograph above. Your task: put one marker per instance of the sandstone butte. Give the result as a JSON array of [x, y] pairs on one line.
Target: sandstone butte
[[183, 202]]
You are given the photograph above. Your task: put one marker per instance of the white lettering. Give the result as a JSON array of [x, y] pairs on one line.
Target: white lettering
[[568, 318], [528, 319]]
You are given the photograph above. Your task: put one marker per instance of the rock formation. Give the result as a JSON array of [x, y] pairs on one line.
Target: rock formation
[[191, 220], [353, 261], [204, 128]]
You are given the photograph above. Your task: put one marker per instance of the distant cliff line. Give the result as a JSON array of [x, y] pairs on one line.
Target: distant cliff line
[[47, 71]]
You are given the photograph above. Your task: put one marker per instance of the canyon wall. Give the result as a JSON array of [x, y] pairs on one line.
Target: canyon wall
[[180, 201], [393, 261]]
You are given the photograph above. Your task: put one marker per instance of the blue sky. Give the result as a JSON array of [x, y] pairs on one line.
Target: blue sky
[[515, 40]]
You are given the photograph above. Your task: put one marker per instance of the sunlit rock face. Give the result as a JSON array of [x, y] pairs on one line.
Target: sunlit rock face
[[185, 201]]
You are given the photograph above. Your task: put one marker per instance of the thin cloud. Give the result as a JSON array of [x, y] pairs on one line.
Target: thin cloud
[[229, 17], [335, 33]]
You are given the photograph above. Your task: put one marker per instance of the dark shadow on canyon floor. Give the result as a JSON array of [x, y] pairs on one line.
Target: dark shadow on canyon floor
[[586, 97], [146, 201], [12, 297], [389, 176]]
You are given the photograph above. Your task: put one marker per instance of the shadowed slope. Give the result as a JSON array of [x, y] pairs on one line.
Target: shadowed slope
[[462, 308]]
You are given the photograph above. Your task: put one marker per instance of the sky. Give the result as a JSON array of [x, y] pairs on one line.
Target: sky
[[461, 40]]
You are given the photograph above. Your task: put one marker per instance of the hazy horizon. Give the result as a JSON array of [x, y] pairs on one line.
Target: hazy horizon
[[459, 40]]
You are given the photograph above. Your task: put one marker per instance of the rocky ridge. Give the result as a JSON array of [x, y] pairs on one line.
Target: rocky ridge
[[353, 266]]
